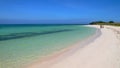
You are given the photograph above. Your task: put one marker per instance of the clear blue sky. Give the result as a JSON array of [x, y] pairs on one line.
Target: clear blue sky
[[82, 11]]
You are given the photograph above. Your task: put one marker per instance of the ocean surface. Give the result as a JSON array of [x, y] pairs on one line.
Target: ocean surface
[[22, 44]]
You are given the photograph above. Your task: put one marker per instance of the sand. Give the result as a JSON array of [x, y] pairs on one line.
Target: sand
[[103, 52]]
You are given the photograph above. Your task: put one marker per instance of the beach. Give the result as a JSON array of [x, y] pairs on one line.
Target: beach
[[59, 34], [102, 52]]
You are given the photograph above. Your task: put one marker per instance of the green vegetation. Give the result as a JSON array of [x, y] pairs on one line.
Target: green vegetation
[[111, 21], [105, 23]]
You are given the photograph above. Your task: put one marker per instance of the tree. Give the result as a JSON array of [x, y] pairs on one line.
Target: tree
[[93, 23], [111, 21]]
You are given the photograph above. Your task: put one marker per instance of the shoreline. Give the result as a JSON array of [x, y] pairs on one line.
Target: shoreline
[[104, 52], [64, 53]]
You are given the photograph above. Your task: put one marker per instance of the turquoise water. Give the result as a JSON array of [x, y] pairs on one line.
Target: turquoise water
[[21, 45]]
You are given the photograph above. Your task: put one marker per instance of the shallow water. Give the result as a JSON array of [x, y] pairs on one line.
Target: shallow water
[[22, 44]]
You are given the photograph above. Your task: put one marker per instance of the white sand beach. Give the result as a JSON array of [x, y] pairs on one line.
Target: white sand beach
[[103, 52]]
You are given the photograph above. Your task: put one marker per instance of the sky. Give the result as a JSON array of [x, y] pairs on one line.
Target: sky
[[58, 11]]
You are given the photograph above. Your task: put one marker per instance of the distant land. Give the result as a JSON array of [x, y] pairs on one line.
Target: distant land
[[105, 23]]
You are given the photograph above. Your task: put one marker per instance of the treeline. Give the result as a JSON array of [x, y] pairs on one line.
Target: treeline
[[105, 23]]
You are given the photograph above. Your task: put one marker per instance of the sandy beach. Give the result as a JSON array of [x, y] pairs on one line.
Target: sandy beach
[[102, 52]]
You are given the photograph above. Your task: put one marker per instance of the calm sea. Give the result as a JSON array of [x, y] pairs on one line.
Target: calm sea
[[22, 44]]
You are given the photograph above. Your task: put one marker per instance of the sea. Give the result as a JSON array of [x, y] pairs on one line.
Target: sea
[[21, 44]]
